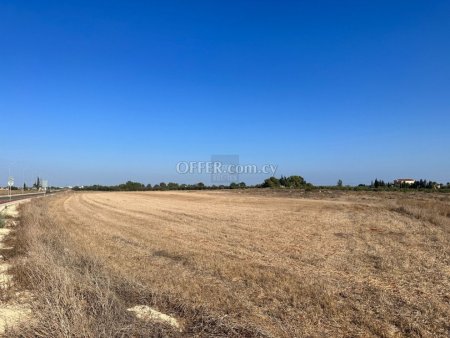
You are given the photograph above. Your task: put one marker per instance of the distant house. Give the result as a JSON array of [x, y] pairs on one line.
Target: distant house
[[404, 181]]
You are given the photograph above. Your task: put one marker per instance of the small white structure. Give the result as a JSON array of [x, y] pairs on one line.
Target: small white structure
[[404, 181]]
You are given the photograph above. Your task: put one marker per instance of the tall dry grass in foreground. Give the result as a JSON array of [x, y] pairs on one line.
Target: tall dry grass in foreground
[[231, 264], [74, 295]]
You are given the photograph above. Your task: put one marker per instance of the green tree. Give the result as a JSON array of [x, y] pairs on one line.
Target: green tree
[[234, 185], [271, 182], [173, 186], [295, 181], [376, 184], [339, 183], [37, 184], [131, 186]]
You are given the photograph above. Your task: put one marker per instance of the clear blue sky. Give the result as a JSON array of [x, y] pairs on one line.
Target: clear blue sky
[[107, 91]]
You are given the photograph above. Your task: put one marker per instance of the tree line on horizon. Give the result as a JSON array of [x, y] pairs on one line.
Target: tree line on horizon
[[290, 182], [271, 182], [284, 182], [418, 184]]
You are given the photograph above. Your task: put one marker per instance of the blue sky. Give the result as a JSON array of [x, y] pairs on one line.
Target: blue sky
[[109, 91]]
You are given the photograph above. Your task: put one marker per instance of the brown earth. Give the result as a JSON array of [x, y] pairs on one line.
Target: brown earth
[[233, 263]]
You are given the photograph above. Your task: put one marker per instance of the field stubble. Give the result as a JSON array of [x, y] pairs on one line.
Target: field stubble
[[237, 263]]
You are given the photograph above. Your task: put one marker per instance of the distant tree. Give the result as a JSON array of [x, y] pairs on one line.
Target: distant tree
[[25, 187], [173, 186], [37, 184], [234, 185], [339, 183], [295, 181], [287, 182], [271, 182], [131, 186]]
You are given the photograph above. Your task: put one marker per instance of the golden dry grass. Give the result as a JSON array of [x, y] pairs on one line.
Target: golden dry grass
[[257, 263], [5, 192]]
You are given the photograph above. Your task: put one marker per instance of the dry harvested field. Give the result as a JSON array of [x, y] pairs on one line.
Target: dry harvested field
[[237, 263], [13, 192]]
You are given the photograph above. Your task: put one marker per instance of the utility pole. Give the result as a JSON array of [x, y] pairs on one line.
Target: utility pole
[[9, 182]]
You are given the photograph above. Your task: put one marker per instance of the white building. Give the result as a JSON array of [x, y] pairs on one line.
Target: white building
[[404, 181]]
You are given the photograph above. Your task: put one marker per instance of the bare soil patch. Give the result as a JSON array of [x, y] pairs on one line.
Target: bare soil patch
[[14, 302]]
